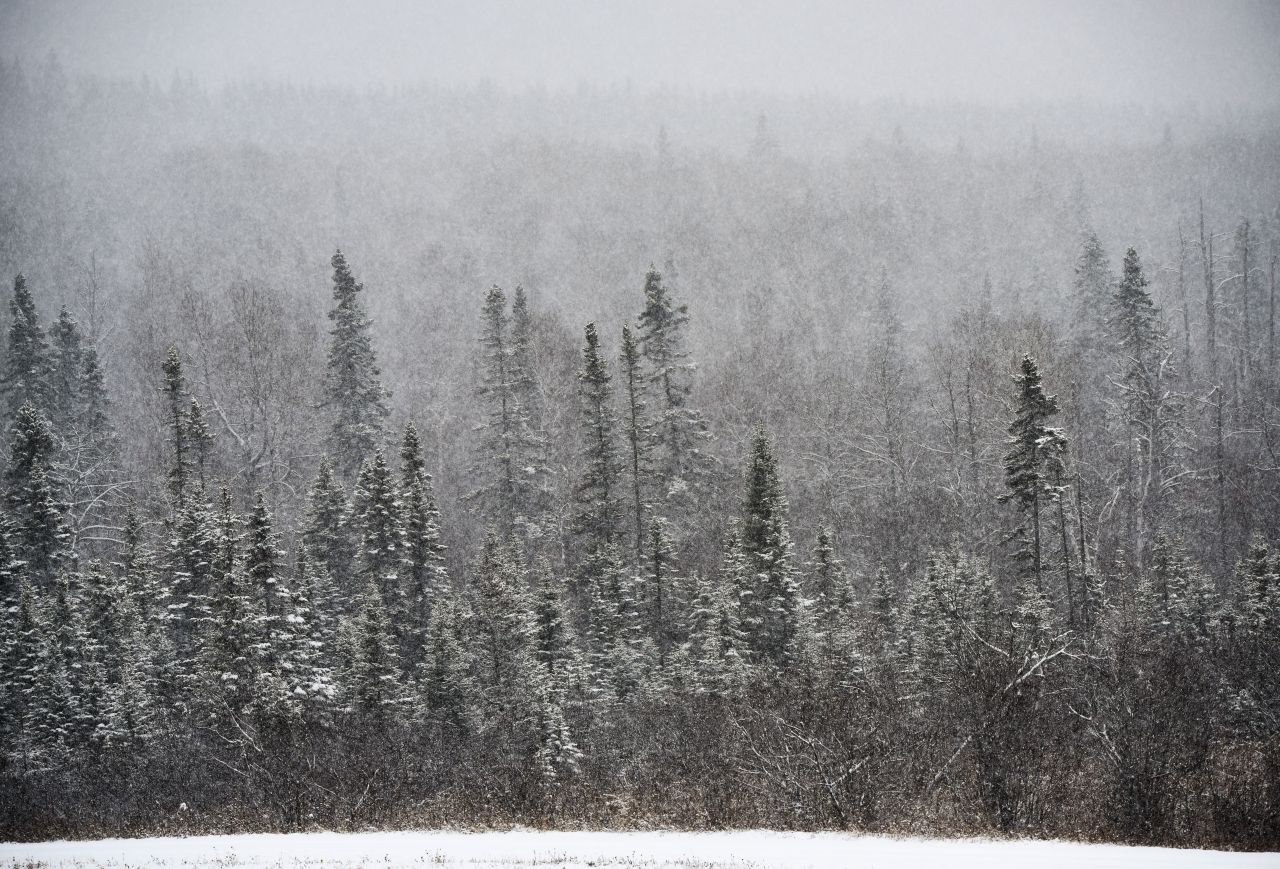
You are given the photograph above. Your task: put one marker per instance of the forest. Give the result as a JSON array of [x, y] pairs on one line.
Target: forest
[[469, 457]]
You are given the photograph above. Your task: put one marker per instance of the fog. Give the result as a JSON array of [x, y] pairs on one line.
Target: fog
[[988, 50], [662, 415]]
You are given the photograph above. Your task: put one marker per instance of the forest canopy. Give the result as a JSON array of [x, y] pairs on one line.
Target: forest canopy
[[459, 455]]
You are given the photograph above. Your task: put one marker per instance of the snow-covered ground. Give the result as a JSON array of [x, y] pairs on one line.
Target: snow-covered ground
[[572, 849]]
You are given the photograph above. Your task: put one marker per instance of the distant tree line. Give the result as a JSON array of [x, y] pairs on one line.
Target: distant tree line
[[632, 636]]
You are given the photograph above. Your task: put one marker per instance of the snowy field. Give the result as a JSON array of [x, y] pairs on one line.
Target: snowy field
[[581, 849]]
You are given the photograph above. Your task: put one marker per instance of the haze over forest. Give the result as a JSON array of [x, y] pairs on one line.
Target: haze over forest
[[566, 410]]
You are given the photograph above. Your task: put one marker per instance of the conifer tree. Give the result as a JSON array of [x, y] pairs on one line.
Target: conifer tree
[[618, 644], [27, 364], [833, 607], [511, 464], [660, 590], [447, 692], [772, 613], [1148, 409], [555, 645], [199, 440], [230, 654], [501, 628], [376, 516], [1092, 299], [326, 536], [531, 437], [316, 634], [373, 683], [679, 432], [175, 395], [1033, 466], [715, 658], [425, 573], [279, 626], [38, 534], [637, 433], [66, 371], [598, 518], [354, 394]]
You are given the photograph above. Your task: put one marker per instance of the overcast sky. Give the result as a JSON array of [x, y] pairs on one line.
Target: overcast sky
[[997, 50]]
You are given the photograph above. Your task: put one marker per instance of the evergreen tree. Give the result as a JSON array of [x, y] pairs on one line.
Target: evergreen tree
[[27, 364], [66, 372], [618, 646], [446, 689], [660, 589], [555, 645], [1093, 282], [230, 655], [316, 634], [326, 536], [833, 608], [38, 534], [500, 634], [637, 433], [425, 573], [511, 464], [175, 395], [531, 438], [714, 659], [373, 682], [599, 515], [1033, 466], [376, 516], [353, 389], [199, 440], [772, 612], [280, 627], [679, 432], [1147, 406]]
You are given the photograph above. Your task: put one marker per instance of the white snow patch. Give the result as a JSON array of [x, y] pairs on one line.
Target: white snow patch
[[754, 848]]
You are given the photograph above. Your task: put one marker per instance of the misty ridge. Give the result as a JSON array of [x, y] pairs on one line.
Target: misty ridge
[[583, 454]]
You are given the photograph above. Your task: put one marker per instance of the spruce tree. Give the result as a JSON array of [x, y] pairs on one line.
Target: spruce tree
[[327, 535], [376, 516], [66, 372], [531, 436], [618, 645], [425, 573], [175, 395], [1092, 298], [715, 658], [354, 395], [199, 440], [660, 588], [598, 518], [833, 608], [510, 468], [679, 431], [279, 624], [373, 684], [1034, 466], [230, 652], [1148, 408], [27, 365], [39, 537], [446, 690], [638, 435], [500, 634], [773, 610]]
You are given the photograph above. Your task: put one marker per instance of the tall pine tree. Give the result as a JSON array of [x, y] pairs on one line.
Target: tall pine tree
[[354, 395]]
